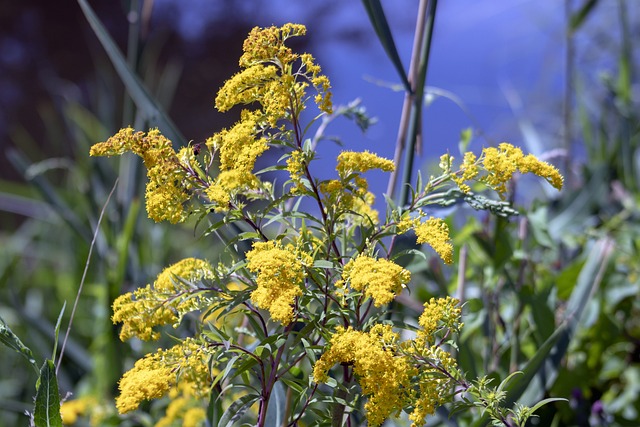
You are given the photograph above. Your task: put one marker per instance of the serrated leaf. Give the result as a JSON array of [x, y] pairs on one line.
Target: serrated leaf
[[47, 409]]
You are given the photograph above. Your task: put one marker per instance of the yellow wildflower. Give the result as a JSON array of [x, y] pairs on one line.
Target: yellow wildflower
[[383, 376], [167, 189], [531, 163], [163, 303], [156, 373], [295, 167], [267, 44], [379, 279], [439, 313], [71, 410], [279, 279], [502, 162], [357, 162], [468, 171], [185, 408], [435, 232]]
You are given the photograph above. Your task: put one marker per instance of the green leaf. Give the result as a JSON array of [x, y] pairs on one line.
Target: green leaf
[[11, 340], [148, 106], [381, 27], [236, 410], [57, 331], [47, 409], [465, 139], [578, 18]]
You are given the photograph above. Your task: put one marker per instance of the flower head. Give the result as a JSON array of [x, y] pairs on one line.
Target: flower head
[[280, 274], [435, 232], [379, 279]]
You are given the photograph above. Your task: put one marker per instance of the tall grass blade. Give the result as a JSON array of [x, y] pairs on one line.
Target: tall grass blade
[[381, 27], [47, 191], [147, 105]]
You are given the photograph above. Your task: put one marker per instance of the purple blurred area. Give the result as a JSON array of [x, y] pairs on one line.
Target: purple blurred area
[[503, 61]]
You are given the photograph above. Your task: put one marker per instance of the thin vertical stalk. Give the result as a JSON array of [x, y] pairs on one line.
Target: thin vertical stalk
[[568, 93], [415, 117]]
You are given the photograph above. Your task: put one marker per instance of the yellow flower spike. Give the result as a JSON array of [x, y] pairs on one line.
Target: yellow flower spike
[[531, 163], [295, 167], [379, 279], [435, 232], [157, 305], [167, 189], [280, 277], [468, 171], [383, 376], [155, 374], [358, 162], [267, 44], [439, 312]]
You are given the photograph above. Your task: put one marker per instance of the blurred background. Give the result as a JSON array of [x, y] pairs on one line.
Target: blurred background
[[558, 78]]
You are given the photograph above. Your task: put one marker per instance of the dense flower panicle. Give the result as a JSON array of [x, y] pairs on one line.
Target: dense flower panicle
[[268, 76], [435, 232], [155, 374], [358, 162], [280, 275], [164, 303], [267, 44], [295, 167], [439, 313], [383, 376], [502, 162], [167, 189], [469, 170], [379, 279]]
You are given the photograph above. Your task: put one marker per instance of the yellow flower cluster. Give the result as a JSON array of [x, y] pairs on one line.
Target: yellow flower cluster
[[280, 275], [358, 162], [350, 194], [468, 171], [163, 303], [438, 314], [239, 148], [268, 78], [500, 164], [155, 374], [167, 189], [383, 376], [435, 232], [71, 410], [398, 375], [379, 279], [295, 167], [184, 409]]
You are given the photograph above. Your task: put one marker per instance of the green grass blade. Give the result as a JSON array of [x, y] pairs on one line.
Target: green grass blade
[[381, 27], [47, 409], [147, 105], [47, 191], [578, 18]]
